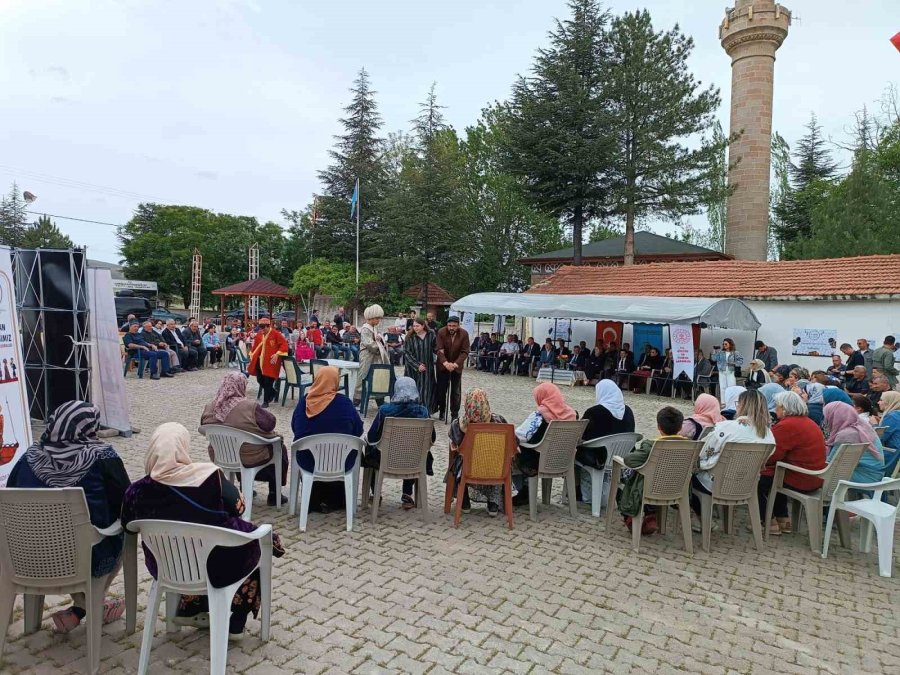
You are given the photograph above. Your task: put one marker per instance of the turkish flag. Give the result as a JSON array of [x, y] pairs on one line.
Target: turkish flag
[[896, 41], [609, 331]]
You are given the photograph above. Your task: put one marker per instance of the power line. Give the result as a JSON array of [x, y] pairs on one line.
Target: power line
[[81, 185], [80, 220]]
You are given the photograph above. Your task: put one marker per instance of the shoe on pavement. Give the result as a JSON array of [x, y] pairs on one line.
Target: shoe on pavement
[[493, 509], [466, 504], [270, 500]]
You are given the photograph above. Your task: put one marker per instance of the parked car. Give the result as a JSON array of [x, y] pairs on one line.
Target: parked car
[[164, 315], [132, 304]]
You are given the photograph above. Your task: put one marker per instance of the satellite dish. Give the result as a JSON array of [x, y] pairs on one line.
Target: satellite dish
[[30, 197]]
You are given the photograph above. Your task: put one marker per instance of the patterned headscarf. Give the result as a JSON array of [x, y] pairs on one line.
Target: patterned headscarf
[[232, 391], [477, 410], [405, 391], [69, 446], [840, 417]]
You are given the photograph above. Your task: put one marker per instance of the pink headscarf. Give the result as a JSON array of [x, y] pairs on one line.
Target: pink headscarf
[[232, 391], [551, 404], [841, 416], [706, 410]]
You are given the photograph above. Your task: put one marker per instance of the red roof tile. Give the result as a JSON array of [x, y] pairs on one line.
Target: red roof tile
[[436, 294], [753, 280]]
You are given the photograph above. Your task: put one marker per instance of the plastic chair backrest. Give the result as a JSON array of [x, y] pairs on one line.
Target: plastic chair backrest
[[404, 444], [879, 430], [242, 350], [841, 467], [669, 468], [736, 473], [706, 431], [617, 445], [559, 445], [487, 451], [329, 451], [291, 371], [226, 443], [381, 378], [45, 536], [181, 550], [314, 365]]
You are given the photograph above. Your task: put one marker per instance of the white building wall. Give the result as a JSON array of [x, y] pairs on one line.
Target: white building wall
[[870, 319]]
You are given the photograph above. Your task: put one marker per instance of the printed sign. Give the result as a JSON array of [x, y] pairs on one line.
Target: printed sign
[[15, 425], [815, 342], [682, 343], [561, 329], [468, 323], [133, 285], [499, 324]]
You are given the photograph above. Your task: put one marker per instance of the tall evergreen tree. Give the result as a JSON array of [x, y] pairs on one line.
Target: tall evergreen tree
[[812, 172], [663, 122], [557, 135], [44, 234], [357, 155], [781, 187], [13, 217]]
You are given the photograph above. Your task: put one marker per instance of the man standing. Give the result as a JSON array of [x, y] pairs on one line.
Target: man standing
[[135, 342], [866, 352], [269, 347], [883, 359], [429, 320], [766, 354], [452, 351], [340, 319]]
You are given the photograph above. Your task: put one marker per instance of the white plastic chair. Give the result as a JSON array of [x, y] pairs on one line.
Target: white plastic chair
[[46, 539], [181, 551], [879, 515], [330, 453], [557, 460], [617, 445], [226, 443]]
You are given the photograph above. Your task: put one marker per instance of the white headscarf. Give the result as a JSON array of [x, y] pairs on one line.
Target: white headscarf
[[610, 397], [729, 399]]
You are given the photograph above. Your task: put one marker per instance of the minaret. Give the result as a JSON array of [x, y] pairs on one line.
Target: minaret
[[751, 34]]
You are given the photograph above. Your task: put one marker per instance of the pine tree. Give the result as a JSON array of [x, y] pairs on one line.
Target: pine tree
[[663, 121], [13, 217], [356, 155], [812, 174], [44, 234], [556, 135]]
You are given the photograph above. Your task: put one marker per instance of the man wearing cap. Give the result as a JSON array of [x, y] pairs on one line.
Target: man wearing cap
[[452, 351], [269, 347]]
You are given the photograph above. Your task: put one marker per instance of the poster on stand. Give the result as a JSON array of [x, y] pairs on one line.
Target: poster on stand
[[15, 425], [499, 324], [468, 323], [107, 384], [682, 341], [561, 329], [815, 342]]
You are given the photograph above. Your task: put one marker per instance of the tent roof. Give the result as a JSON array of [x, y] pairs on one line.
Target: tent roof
[[260, 287], [718, 312]]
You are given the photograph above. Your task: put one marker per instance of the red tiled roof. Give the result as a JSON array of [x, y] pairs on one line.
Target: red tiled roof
[[261, 287], [874, 275], [436, 294]]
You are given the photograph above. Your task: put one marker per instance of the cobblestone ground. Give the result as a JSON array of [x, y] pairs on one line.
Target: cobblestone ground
[[560, 595]]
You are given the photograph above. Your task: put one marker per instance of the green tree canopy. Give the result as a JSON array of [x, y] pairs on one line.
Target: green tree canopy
[[13, 217], [44, 234]]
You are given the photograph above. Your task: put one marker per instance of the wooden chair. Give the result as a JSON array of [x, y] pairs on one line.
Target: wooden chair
[[487, 453]]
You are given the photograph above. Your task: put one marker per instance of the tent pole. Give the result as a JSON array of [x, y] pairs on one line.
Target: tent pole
[[222, 308]]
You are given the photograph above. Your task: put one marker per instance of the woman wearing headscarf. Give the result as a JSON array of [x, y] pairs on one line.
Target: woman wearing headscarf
[[608, 416], [476, 410], [419, 352], [757, 375], [832, 394], [232, 408], [889, 404], [706, 414], [815, 402], [177, 488], [729, 400], [404, 403], [770, 391], [550, 407], [324, 410], [69, 455], [844, 426], [798, 441], [372, 349]]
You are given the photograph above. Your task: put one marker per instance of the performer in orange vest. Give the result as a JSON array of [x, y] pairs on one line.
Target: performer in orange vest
[[269, 347]]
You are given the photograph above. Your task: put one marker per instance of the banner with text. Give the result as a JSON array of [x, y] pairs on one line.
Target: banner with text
[[468, 323], [15, 425], [107, 383], [682, 339]]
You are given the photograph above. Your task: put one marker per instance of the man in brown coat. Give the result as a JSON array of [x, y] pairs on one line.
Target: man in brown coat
[[452, 351]]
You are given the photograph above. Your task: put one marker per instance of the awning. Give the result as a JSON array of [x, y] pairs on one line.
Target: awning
[[714, 312]]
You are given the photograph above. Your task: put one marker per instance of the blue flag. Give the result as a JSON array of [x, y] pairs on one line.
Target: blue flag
[[354, 200]]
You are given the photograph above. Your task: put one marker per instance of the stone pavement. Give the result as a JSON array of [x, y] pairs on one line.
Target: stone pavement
[[559, 595]]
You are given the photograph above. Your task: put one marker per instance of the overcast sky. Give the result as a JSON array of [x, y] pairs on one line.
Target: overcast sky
[[232, 105]]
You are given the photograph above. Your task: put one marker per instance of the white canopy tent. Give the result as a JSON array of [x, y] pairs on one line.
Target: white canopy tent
[[729, 313]]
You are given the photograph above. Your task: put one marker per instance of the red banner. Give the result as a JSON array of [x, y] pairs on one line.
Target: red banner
[[609, 331], [896, 41]]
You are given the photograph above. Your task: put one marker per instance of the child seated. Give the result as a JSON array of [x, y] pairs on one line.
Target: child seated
[[669, 421]]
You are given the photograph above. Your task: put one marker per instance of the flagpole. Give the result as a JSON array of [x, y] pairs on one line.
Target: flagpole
[[356, 312]]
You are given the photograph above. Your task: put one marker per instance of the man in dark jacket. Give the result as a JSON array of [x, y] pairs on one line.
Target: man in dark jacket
[[766, 354], [135, 342], [187, 356], [452, 351], [193, 337], [528, 354]]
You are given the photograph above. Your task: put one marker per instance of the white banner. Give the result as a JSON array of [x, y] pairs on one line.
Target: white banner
[[15, 422], [561, 328], [815, 342], [682, 343], [107, 384], [468, 322], [499, 323]]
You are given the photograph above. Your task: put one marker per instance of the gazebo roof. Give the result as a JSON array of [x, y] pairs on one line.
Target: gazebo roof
[[436, 294], [259, 287]]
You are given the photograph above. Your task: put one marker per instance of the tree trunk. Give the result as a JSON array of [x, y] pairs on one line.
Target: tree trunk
[[629, 235], [577, 227]]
